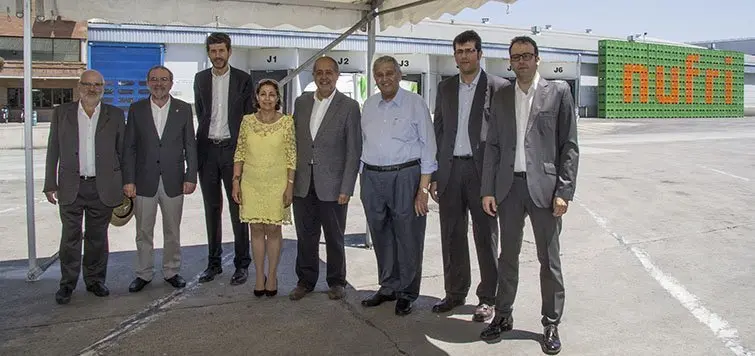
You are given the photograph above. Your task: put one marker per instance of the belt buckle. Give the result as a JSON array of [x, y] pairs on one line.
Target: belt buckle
[[216, 141]]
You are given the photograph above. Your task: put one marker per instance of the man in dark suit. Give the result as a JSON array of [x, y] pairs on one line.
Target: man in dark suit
[[159, 167], [329, 145], [222, 95], [83, 173], [461, 124], [530, 169]]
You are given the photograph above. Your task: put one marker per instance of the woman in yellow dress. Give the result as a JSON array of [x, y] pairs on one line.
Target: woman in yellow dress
[[263, 180]]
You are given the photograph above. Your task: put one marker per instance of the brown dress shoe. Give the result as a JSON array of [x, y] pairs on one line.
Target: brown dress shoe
[[483, 312], [298, 293], [336, 292]]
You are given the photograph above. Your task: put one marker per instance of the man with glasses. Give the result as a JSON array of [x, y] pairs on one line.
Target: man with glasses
[[83, 174], [159, 167], [461, 124], [530, 169]]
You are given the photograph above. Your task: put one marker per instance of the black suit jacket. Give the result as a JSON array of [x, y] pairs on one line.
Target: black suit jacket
[[446, 121], [550, 141], [240, 102], [147, 156]]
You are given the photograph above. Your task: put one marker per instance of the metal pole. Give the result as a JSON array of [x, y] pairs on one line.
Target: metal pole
[[371, 34], [28, 146], [578, 89]]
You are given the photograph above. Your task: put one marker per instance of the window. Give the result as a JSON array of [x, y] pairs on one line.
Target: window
[[42, 98], [42, 49]]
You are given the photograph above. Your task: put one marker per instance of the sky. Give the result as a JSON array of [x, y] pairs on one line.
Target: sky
[[675, 20]]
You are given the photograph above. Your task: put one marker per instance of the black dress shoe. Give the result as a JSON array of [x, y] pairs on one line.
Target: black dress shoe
[[137, 285], [209, 274], [403, 307], [259, 293], [176, 281], [377, 299], [551, 341], [99, 289], [239, 277], [447, 304], [271, 292], [499, 325], [63, 295]]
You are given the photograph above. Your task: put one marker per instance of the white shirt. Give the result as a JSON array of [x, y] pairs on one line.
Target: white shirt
[[523, 104], [160, 115], [87, 129], [466, 97], [219, 118], [319, 109]]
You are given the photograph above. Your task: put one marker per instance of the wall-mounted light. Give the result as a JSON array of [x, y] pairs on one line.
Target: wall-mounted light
[[20, 8], [535, 30], [485, 20], [40, 10]]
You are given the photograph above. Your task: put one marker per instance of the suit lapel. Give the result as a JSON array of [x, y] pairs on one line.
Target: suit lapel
[[149, 120], [332, 109], [305, 117], [73, 117], [475, 114], [509, 107], [103, 119], [170, 120], [233, 91], [537, 102], [206, 92]]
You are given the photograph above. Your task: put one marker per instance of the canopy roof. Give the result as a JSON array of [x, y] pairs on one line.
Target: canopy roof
[[334, 14]]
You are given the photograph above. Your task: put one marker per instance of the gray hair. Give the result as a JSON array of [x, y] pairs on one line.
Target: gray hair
[[170, 74], [387, 59]]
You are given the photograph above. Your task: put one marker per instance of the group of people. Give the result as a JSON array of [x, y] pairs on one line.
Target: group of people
[[494, 150]]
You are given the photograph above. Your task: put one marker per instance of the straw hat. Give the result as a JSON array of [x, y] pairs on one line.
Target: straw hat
[[123, 213]]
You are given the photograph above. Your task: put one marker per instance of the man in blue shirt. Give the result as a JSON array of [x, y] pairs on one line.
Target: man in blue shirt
[[398, 159]]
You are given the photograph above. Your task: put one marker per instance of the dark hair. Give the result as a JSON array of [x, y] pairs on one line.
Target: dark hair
[[468, 36], [524, 39], [264, 82], [160, 67], [330, 59], [218, 37]]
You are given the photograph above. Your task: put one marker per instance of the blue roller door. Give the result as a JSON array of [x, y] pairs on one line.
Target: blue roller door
[[124, 66]]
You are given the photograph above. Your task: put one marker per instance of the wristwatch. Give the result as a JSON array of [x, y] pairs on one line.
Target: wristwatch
[[424, 190]]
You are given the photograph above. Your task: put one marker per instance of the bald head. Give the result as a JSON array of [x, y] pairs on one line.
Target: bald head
[[90, 88]]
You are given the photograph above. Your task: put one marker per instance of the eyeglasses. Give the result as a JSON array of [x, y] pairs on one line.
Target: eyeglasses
[[466, 51], [92, 84], [160, 79], [523, 56]]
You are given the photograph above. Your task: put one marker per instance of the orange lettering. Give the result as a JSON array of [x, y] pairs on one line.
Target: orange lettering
[[710, 75], [729, 82], [690, 74], [629, 71], [660, 86]]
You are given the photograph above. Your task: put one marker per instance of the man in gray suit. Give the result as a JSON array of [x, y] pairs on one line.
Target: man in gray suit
[[461, 123], [329, 145], [530, 169], [83, 173], [159, 167]]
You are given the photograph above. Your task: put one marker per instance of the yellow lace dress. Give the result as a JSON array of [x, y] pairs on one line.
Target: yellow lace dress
[[268, 151]]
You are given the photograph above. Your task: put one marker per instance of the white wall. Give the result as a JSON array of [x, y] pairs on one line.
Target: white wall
[[749, 94], [184, 61]]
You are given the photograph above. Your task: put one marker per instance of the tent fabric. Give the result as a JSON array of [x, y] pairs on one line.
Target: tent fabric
[[238, 13]]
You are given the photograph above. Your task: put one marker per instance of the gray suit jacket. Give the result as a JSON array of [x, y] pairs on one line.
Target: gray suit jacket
[[551, 148], [446, 121], [148, 156], [335, 151], [62, 163]]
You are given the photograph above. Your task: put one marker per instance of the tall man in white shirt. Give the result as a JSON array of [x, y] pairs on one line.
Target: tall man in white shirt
[[222, 95], [159, 167], [530, 169], [83, 174], [329, 145]]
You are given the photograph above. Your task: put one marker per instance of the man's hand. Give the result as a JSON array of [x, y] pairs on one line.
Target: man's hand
[[343, 199], [434, 191], [288, 196], [420, 202], [189, 187], [559, 206], [52, 197], [489, 205], [129, 190], [236, 191]]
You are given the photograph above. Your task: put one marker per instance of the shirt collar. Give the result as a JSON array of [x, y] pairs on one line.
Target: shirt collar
[[533, 86], [396, 98], [475, 81], [167, 103], [96, 109], [329, 98], [224, 75]]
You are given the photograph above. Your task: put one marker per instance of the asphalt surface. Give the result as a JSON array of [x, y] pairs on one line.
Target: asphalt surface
[[657, 253]]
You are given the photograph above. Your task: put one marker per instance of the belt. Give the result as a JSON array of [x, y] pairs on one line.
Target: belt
[[87, 177], [395, 167], [217, 141], [464, 157], [520, 174]]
